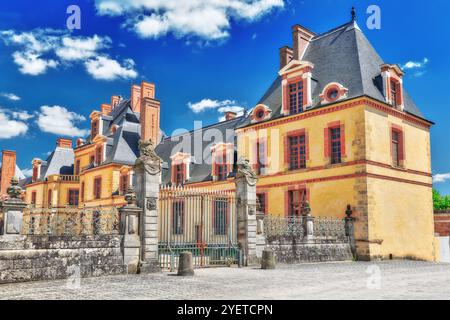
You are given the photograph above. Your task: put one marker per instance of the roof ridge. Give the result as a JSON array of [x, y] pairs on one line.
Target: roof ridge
[[324, 34]]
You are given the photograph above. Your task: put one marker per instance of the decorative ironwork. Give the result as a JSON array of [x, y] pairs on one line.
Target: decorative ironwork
[[71, 221], [329, 229], [280, 228]]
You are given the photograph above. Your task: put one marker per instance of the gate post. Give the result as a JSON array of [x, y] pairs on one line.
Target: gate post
[[129, 228], [148, 179], [12, 208], [246, 211]]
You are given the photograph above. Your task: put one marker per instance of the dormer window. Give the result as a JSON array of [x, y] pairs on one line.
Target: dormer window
[[296, 97], [222, 161], [99, 155], [333, 92], [180, 168], [260, 112], [221, 167], [94, 129], [393, 85], [297, 94]]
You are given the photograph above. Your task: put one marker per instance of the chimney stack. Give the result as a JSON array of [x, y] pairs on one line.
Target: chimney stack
[[64, 143], [114, 101], [286, 55], [106, 109], [8, 170], [229, 115], [135, 98], [150, 113], [301, 38]]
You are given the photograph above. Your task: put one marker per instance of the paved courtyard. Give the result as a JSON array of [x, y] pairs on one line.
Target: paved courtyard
[[348, 280]]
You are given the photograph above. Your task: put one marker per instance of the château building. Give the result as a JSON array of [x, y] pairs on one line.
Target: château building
[[335, 128]]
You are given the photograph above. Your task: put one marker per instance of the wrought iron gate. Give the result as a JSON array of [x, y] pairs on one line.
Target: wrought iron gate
[[200, 221]]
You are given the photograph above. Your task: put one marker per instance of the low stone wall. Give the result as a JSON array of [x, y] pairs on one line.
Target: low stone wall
[[295, 252], [32, 258]]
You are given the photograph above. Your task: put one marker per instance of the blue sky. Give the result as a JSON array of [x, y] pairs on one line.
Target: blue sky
[[51, 78]]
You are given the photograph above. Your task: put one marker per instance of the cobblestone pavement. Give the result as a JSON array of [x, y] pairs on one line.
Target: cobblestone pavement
[[348, 280]]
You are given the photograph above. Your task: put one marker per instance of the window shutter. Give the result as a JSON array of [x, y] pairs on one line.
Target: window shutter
[[326, 135], [307, 145], [305, 93], [342, 140], [286, 150], [398, 89]]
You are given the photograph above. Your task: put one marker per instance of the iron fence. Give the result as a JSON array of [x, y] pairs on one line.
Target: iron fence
[[200, 221], [71, 221]]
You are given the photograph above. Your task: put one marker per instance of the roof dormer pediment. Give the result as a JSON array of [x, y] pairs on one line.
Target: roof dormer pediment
[[294, 66]]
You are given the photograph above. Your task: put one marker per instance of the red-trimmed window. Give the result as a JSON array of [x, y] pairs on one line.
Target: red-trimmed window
[[82, 192], [33, 197], [220, 217], [178, 217], [335, 147], [394, 93], [99, 155], [77, 168], [49, 198], [397, 147], [295, 97], [334, 136], [179, 174], [297, 152], [123, 184], [73, 197], [94, 129], [261, 157], [295, 201], [221, 167], [97, 188], [262, 202], [92, 159]]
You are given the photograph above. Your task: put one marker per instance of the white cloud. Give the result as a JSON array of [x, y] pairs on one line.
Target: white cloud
[[206, 19], [10, 96], [104, 68], [415, 64], [58, 120], [439, 178], [10, 128], [42, 49], [205, 104]]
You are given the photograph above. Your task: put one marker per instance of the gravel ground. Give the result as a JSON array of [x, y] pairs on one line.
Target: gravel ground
[[348, 280]]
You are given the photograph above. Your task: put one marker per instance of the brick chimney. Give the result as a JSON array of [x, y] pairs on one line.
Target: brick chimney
[[229, 115], [150, 113], [64, 143], [286, 55], [135, 98], [114, 101], [301, 38], [8, 170], [106, 109]]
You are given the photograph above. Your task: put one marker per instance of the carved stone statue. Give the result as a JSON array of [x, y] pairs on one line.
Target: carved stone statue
[[14, 191], [148, 158], [130, 196], [245, 170]]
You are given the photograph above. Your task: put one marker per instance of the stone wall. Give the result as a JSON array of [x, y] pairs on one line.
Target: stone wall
[[289, 251], [32, 258]]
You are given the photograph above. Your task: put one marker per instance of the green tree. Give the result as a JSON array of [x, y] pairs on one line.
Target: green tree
[[440, 202]]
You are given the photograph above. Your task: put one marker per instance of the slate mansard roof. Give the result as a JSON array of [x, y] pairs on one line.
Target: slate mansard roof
[[342, 55]]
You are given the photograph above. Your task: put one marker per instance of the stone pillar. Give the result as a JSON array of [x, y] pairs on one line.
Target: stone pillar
[[12, 209], [308, 222], [148, 179], [129, 228], [350, 229], [246, 211]]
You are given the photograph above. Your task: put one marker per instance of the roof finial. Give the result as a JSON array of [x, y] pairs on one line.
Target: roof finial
[[353, 14]]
